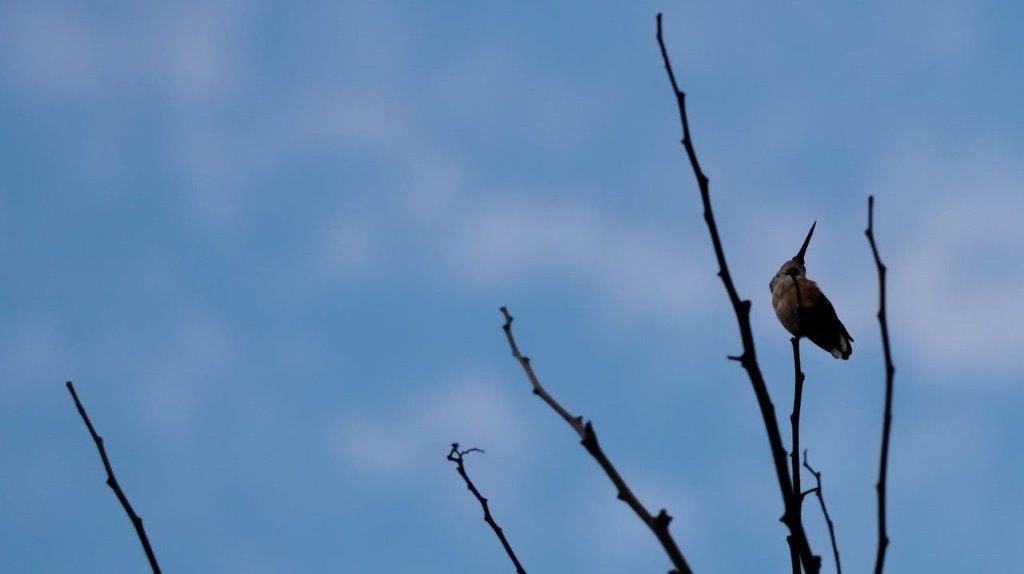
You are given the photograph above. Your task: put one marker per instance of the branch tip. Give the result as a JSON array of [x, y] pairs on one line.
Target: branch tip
[[456, 456], [588, 439], [111, 481]]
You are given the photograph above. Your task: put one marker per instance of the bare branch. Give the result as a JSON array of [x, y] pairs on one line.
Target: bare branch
[[890, 371], [575, 422], [113, 484], [828, 519], [809, 491], [457, 456], [658, 524], [811, 563], [794, 421]]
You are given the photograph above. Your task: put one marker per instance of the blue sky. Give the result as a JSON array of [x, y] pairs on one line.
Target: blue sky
[[269, 244]]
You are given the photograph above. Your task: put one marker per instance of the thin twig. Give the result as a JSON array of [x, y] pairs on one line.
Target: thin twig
[[890, 371], [457, 456], [748, 359], [794, 417], [828, 519], [113, 484], [588, 438], [575, 422]]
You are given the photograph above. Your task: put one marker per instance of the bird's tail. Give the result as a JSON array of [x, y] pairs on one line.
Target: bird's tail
[[845, 347]]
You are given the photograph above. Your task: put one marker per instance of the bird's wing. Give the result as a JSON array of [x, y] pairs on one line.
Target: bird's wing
[[819, 323]]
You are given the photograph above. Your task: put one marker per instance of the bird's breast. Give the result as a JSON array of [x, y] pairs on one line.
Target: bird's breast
[[785, 301]]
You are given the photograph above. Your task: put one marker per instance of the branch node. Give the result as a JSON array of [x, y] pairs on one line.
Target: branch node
[[663, 519]]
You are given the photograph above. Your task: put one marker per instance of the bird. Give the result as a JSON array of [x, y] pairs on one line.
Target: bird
[[804, 310]]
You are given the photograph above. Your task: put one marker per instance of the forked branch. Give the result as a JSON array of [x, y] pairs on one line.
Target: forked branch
[[810, 562], [890, 371], [658, 524], [824, 510], [114, 485], [456, 456]]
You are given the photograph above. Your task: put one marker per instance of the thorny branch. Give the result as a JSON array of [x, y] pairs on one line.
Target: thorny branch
[[811, 563], [658, 524], [113, 484], [890, 371], [456, 456], [828, 519]]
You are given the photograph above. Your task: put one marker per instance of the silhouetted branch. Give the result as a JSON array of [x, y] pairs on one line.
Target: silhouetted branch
[[113, 484], [588, 438], [890, 371], [575, 422], [794, 417], [828, 519], [748, 359], [456, 456]]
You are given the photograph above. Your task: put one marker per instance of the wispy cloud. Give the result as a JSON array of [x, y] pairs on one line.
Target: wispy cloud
[[629, 266], [33, 350], [392, 440], [57, 51], [176, 379], [956, 283], [48, 50], [614, 537]]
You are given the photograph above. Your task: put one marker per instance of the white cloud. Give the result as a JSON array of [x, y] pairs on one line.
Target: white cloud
[[615, 537], [186, 51], [33, 349], [49, 50], [393, 440], [630, 266], [194, 48], [940, 33], [960, 286], [955, 286], [346, 245], [175, 381], [554, 112]]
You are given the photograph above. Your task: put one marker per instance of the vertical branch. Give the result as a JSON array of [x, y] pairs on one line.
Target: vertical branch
[[658, 524], [113, 484], [748, 360], [798, 393], [828, 519], [890, 371], [457, 456], [794, 417]]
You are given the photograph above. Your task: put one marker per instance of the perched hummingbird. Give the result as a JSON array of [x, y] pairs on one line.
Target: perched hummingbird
[[813, 317]]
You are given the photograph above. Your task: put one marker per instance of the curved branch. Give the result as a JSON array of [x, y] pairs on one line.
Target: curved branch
[[114, 485], [456, 456], [658, 524], [748, 359], [828, 519], [890, 371]]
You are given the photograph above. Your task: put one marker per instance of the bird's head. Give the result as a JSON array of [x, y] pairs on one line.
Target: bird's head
[[795, 266]]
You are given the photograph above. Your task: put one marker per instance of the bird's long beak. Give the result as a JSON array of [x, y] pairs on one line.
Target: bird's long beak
[[803, 248]]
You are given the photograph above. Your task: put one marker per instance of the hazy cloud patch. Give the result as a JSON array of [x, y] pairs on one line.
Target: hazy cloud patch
[[391, 440], [957, 279]]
